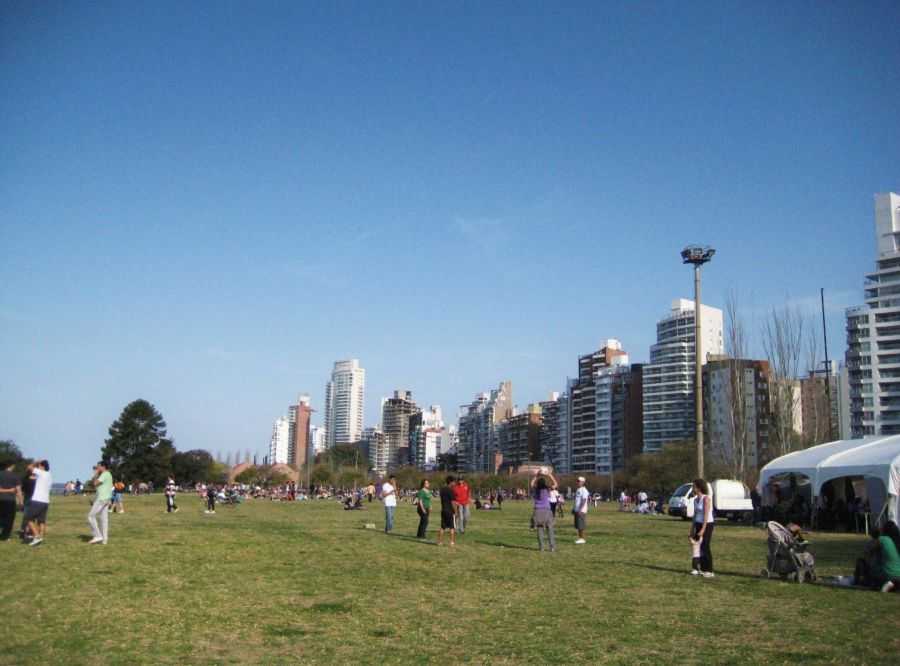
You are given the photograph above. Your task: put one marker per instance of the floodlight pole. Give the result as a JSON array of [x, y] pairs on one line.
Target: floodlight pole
[[698, 255]]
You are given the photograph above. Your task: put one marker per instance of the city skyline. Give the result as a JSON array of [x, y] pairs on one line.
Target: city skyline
[[205, 208]]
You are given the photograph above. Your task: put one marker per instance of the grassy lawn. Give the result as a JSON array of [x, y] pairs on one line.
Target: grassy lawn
[[305, 582]]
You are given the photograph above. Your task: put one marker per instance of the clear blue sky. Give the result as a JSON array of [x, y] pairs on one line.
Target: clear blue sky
[[205, 204]]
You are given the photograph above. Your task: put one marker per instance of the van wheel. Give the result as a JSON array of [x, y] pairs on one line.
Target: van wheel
[[747, 518]]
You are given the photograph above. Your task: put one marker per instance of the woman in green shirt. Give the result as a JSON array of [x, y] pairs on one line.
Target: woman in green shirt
[[888, 543], [423, 506]]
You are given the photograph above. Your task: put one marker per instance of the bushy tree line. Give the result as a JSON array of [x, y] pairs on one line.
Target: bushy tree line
[[138, 449]]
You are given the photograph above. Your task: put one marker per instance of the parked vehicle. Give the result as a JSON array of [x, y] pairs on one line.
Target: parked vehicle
[[731, 501]]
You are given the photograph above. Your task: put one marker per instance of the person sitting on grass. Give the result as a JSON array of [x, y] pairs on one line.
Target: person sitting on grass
[[889, 545]]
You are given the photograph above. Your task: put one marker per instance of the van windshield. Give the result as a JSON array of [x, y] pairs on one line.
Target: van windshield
[[683, 490]]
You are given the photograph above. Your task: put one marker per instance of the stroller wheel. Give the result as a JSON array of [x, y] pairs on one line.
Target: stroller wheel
[[809, 576], [765, 574], [795, 578]]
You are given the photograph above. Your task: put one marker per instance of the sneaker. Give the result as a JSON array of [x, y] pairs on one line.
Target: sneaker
[[96, 540], [553, 550], [36, 542], [176, 510], [452, 545], [695, 572], [707, 574], [580, 541], [888, 587]]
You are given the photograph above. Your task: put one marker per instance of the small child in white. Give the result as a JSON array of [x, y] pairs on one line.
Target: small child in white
[[695, 553]]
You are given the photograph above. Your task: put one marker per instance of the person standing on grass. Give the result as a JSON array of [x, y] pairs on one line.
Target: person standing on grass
[[423, 506], [40, 501], [582, 499], [702, 527], [170, 496], [389, 495], [541, 516], [117, 507], [210, 499], [448, 511], [9, 493], [462, 491], [103, 482], [27, 491]]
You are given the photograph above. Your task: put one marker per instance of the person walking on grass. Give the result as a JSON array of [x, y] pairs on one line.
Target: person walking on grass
[[448, 511], [462, 491], [542, 517], [702, 527], [118, 489], [210, 499], [423, 506], [27, 491], [103, 482], [389, 495], [40, 501], [582, 499], [9, 493], [170, 496]]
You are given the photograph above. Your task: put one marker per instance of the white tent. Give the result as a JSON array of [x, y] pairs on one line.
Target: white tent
[[805, 463], [878, 462], [876, 459]]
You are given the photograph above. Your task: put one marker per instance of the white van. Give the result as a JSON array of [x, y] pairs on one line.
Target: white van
[[731, 500]]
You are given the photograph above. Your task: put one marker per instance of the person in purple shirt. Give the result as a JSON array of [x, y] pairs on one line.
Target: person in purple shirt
[[542, 517]]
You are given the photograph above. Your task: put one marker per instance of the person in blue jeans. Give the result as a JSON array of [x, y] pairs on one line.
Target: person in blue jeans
[[389, 496]]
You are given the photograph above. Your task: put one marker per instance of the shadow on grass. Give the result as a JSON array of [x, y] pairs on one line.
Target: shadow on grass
[[501, 544], [684, 572]]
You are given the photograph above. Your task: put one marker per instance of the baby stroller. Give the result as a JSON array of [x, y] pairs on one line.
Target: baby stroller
[[787, 556]]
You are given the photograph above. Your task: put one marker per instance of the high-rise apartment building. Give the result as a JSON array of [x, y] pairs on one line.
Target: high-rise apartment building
[[344, 398], [736, 413], [279, 445], [317, 441], [395, 415], [478, 429], [428, 438], [298, 416], [555, 432], [519, 438], [668, 380], [873, 333], [586, 457]]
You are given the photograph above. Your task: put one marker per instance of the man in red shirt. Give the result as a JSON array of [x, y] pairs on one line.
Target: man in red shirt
[[462, 493]]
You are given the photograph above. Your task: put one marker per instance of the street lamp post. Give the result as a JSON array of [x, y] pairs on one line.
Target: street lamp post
[[698, 255]]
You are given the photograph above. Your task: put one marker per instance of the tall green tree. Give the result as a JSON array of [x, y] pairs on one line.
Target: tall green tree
[[138, 448], [192, 467]]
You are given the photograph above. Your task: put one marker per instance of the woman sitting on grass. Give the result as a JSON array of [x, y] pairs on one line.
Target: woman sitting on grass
[[889, 545]]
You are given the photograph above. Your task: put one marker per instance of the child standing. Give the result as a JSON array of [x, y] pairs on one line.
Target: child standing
[[170, 496], [695, 540]]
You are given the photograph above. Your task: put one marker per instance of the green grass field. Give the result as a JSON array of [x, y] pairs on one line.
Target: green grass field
[[306, 583]]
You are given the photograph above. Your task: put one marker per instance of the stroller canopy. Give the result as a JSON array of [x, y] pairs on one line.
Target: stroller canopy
[[877, 459]]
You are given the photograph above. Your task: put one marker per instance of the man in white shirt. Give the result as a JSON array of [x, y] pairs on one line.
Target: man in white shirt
[[40, 500], [389, 495], [582, 500]]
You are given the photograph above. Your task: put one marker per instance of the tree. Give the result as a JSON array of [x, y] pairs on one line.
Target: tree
[[9, 451], [137, 447], [447, 462], [782, 337], [732, 442], [320, 476], [192, 467], [343, 455], [663, 472]]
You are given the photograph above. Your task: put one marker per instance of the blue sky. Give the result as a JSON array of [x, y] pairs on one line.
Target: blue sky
[[206, 204]]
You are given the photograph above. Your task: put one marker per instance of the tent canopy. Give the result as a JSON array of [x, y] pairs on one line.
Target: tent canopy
[[874, 458]]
